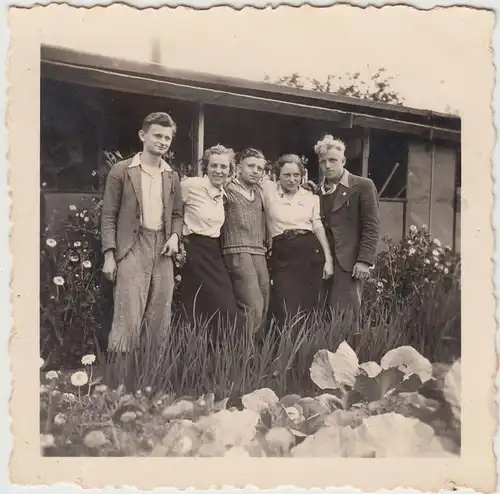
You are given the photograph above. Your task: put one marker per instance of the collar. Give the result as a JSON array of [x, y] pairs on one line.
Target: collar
[[300, 192], [213, 192], [238, 183], [136, 161], [344, 180]]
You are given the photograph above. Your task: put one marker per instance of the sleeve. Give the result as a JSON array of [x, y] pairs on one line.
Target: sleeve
[[263, 192], [178, 207], [185, 188], [370, 224], [110, 207], [316, 216]]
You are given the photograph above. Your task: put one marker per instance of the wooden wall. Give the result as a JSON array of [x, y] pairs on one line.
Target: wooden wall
[[434, 203]]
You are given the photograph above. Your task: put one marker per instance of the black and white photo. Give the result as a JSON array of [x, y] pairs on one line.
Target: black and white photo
[[254, 240]]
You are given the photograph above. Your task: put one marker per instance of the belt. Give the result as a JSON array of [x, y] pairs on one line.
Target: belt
[[289, 234]]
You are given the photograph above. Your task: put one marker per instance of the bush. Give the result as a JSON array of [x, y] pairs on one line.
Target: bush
[[74, 303], [419, 279]]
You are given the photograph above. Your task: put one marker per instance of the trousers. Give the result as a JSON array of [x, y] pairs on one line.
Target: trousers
[[250, 278], [142, 293], [344, 295]]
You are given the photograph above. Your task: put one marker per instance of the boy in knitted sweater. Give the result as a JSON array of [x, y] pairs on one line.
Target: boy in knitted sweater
[[243, 239]]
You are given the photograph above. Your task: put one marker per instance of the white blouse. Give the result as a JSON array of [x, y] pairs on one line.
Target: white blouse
[[203, 207], [301, 211]]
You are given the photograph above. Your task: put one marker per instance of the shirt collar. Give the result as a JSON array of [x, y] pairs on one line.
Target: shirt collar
[[213, 192], [344, 180], [238, 183], [300, 192], [136, 161]]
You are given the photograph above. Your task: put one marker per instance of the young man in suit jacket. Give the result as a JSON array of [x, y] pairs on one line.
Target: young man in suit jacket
[[349, 208], [140, 230]]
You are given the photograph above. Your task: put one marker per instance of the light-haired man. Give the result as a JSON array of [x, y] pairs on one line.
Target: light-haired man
[[244, 237], [141, 225], [349, 208]]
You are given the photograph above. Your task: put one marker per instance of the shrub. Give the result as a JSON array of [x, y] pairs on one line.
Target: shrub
[[414, 267], [419, 279], [73, 300]]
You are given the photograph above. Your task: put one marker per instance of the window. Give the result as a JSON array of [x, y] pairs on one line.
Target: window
[[388, 163]]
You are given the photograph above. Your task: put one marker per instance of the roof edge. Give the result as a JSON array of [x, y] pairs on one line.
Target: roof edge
[[63, 54]]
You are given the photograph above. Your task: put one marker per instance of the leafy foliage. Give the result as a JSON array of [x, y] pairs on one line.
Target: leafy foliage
[[340, 371], [73, 301], [352, 84], [390, 419], [424, 277]]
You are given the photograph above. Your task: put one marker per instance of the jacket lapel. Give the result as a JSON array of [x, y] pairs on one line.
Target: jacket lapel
[[167, 182], [135, 177], [342, 195], [325, 204]]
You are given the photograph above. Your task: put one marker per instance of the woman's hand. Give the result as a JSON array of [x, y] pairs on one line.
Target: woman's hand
[[328, 269]]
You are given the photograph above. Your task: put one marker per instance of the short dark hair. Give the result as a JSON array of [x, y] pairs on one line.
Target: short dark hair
[[288, 158], [249, 153], [159, 118]]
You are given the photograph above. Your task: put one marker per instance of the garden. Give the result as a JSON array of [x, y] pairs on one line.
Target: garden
[[311, 389]]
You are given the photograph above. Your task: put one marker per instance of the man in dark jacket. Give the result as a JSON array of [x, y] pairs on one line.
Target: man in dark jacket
[[350, 213]]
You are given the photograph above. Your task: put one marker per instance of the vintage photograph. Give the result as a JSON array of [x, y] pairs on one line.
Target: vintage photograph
[[252, 248], [246, 267]]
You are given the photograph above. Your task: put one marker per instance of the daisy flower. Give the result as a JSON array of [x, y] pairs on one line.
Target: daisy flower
[[58, 280]]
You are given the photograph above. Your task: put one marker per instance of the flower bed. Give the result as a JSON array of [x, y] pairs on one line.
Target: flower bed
[[402, 406]]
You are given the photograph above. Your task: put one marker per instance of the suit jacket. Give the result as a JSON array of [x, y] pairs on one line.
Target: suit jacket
[[122, 204], [351, 218]]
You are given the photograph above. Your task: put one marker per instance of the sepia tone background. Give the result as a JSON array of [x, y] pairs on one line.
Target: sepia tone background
[[435, 63]]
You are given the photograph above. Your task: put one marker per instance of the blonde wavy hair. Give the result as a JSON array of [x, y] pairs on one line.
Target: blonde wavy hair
[[218, 149], [329, 142]]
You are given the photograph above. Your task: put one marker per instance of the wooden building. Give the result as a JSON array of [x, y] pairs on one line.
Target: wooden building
[[91, 104]]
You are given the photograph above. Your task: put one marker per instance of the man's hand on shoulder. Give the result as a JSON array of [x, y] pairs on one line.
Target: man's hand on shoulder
[[310, 186]]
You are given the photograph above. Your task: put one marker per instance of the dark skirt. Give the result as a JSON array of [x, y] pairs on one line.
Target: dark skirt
[[297, 276], [206, 291]]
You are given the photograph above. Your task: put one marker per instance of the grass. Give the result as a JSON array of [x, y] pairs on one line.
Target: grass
[[188, 362]]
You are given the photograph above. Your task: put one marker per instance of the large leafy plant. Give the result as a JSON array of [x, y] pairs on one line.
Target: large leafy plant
[[104, 422], [402, 370]]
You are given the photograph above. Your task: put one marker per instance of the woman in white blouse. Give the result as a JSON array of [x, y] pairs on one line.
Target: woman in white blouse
[[206, 288], [301, 258]]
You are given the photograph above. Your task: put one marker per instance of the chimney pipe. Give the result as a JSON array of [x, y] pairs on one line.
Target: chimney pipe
[[156, 51]]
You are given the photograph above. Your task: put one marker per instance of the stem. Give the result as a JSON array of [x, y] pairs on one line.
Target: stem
[[90, 381], [49, 409]]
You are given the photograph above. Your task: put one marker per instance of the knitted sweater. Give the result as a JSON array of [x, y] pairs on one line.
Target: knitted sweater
[[244, 229]]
